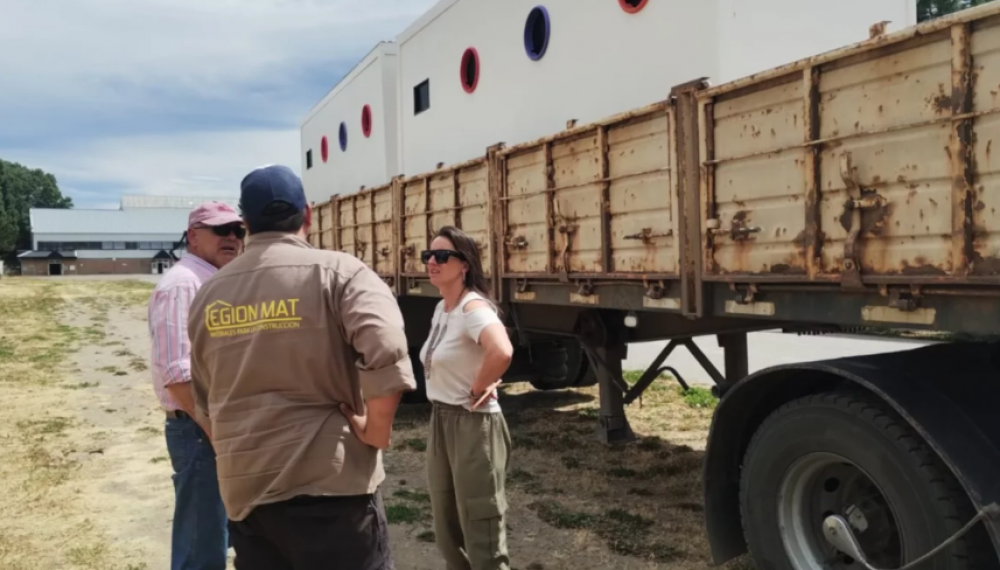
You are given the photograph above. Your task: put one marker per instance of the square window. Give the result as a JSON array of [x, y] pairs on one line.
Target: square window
[[422, 97]]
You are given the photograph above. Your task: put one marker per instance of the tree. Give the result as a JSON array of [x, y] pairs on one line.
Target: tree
[[930, 9], [23, 188]]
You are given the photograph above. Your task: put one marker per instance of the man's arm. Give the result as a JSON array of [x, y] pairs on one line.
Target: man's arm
[[172, 346], [374, 327]]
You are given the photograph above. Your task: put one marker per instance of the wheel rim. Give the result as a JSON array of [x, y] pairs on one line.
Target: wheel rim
[[823, 484]]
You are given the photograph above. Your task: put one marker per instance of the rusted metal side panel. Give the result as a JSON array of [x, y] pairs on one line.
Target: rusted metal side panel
[[327, 220], [872, 109], [473, 215], [576, 204], [382, 232], [526, 241], [644, 221], [414, 226], [363, 222], [759, 187], [594, 201], [346, 222], [871, 167], [313, 235], [985, 179], [458, 196]]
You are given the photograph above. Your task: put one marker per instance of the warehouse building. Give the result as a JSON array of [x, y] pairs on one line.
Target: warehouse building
[[141, 237]]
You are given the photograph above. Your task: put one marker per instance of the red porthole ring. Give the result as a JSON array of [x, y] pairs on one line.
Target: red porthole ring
[[470, 70], [324, 149], [632, 6], [366, 121]]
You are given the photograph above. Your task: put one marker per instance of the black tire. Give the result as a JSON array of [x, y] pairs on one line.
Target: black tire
[[922, 497], [558, 365]]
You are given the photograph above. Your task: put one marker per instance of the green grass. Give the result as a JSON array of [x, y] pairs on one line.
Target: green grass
[[404, 514], [407, 507], [48, 426], [416, 496], [416, 444], [698, 397]]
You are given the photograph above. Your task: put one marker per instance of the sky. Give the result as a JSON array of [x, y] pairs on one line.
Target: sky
[[173, 97]]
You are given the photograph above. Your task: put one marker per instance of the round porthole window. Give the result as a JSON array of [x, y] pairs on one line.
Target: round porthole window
[[536, 32], [343, 136], [470, 70], [324, 149], [366, 121], [632, 6]]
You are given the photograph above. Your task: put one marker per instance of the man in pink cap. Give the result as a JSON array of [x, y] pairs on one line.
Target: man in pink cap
[[200, 538]]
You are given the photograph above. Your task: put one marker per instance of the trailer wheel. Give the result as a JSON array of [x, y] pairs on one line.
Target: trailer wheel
[[559, 365], [850, 454]]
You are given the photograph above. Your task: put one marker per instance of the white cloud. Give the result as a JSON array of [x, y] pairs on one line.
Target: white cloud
[[189, 81], [183, 45], [184, 164]]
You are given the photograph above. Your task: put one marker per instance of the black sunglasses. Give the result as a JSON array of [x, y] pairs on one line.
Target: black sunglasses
[[222, 231], [440, 255]]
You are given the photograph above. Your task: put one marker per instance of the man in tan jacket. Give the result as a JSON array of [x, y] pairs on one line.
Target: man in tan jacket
[[287, 341]]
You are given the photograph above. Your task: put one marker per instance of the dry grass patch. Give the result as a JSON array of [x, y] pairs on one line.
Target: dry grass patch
[[641, 501], [43, 323]]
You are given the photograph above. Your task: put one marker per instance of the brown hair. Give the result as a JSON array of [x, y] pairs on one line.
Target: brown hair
[[475, 278]]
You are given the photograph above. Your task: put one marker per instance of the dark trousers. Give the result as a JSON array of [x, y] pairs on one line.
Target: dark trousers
[[314, 533], [198, 538]]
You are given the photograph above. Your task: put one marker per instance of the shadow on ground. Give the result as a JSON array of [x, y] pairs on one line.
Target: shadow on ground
[[641, 500]]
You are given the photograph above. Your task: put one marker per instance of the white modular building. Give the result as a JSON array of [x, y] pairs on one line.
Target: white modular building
[[349, 139], [474, 73]]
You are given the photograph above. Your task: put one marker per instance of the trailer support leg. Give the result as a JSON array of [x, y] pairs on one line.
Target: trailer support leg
[[614, 427], [736, 359], [604, 344]]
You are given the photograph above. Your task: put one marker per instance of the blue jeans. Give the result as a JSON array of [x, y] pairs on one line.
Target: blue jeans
[[200, 539]]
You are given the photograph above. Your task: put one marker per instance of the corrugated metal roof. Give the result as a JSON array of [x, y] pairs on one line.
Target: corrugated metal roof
[[95, 254], [141, 201], [46, 254], [143, 221], [116, 253]]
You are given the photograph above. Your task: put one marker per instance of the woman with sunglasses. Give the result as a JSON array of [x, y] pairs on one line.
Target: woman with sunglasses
[[469, 444]]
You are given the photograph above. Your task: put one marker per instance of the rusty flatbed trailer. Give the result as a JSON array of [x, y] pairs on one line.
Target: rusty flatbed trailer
[[852, 189]]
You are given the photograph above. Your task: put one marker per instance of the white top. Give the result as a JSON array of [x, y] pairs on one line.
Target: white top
[[457, 355]]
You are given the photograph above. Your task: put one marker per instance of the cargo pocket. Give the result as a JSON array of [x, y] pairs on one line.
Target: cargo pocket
[[486, 537]]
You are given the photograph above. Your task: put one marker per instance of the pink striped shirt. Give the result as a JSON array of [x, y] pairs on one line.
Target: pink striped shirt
[[168, 324]]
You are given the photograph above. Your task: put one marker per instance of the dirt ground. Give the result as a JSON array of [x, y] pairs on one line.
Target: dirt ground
[[85, 481]]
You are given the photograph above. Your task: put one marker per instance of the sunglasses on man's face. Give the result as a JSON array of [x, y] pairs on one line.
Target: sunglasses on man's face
[[440, 255], [222, 231]]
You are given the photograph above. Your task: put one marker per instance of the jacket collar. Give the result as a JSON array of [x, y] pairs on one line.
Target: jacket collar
[[271, 238]]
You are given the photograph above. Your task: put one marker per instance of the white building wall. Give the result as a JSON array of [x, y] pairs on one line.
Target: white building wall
[[600, 61], [367, 161], [755, 35], [70, 237]]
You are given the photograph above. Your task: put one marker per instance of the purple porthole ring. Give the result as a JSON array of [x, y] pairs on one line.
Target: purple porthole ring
[[343, 136], [536, 32]]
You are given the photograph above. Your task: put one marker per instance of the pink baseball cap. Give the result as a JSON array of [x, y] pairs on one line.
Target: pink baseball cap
[[213, 214]]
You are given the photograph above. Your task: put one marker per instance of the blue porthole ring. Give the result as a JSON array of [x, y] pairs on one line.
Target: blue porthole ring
[[537, 28], [343, 136]]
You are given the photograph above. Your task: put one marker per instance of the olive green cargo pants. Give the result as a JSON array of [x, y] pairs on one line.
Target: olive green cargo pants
[[467, 458]]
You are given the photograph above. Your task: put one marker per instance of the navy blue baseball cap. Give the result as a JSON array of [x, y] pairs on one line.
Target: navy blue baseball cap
[[269, 185]]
